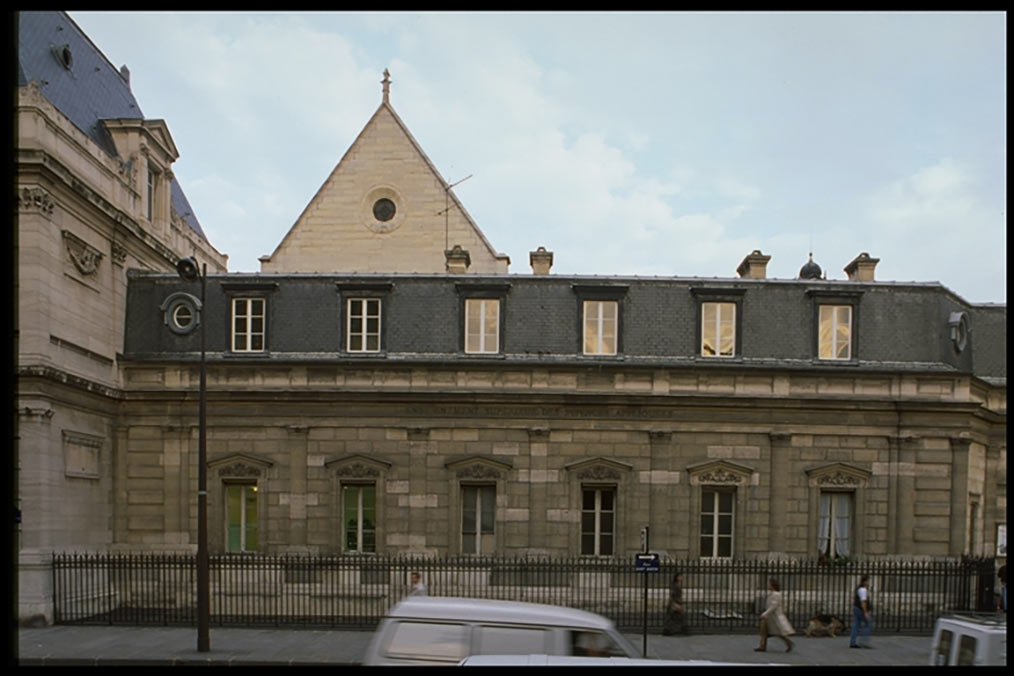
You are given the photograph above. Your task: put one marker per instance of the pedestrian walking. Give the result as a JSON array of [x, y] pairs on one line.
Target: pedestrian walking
[[675, 621], [418, 587], [1002, 574], [773, 621], [862, 615]]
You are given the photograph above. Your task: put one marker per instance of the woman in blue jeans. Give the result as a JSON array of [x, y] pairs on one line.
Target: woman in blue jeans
[[861, 614]]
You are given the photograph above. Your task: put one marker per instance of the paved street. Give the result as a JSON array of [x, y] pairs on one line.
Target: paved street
[[67, 645]]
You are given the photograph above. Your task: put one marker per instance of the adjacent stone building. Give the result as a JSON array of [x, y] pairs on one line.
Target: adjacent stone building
[[384, 385], [96, 197]]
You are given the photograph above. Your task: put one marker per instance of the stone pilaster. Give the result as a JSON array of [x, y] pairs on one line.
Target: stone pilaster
[[779, 472], [959, 496]]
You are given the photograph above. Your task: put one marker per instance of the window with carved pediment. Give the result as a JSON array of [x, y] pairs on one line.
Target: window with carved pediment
[[359, 517], [718, 507], [477, 484], [835, 516], [241, 517], [598, 520]]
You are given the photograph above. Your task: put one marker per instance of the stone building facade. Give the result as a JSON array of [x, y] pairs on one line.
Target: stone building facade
[[95, 197], [541, 445], [385, 385]]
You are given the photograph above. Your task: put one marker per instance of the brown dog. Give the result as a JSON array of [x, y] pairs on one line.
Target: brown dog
[[824, 625]]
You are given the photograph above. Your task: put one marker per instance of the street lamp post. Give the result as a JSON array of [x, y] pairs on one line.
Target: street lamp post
[[187, 269]]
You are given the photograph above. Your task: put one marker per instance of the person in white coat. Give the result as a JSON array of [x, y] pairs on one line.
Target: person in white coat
[[773, 621]]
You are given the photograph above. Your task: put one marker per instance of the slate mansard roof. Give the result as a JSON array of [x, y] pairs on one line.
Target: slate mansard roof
[[898, 326], [90, 90]]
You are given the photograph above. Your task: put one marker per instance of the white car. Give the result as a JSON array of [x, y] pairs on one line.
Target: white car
[[573, 661], [970, 640], [437, 630]]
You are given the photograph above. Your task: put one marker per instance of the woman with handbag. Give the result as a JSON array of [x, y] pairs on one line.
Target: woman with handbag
[[674, 620]]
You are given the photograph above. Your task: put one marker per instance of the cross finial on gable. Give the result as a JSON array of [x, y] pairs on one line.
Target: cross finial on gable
[[387, 85]]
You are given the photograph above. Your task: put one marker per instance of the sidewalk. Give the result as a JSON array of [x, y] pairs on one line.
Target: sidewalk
[[161, 646]]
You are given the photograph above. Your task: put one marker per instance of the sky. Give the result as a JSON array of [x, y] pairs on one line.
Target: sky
[[669, 144]]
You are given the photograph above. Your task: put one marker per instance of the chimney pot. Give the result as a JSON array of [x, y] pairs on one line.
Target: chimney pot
[[754, 266], [861, 268], [540, 260], [457, 259]]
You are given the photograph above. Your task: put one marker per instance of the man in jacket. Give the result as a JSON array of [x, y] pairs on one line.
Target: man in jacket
[[861, 615]]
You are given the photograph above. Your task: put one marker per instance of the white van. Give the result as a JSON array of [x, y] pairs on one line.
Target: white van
[[970, 640], [572, 661], [437, 630]]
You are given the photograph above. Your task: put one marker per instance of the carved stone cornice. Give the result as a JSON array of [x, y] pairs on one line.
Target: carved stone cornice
[[839, 479], [538, 433], [720, 476], [720, 473], [598, 473], [357, 470], [838, 475], [417, 433], [86, 257], [118, 253], [36, 198], [128, 169], [239, 469], [478, 471], [35, 412]]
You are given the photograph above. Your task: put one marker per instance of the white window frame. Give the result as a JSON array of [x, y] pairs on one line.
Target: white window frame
[[476, 313], [364, 316], [248, 335], [598, 532], [482, 528], [829, 343], [716, 534], [596, 319], [245, 488], [360, 547], [714, 331]]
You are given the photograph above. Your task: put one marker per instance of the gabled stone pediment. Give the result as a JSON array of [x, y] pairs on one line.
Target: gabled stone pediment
[[240, 466], [478, 467], [131, 134], [384, 208], [357, 467], [838, 475], [599, 469], [720, 472]]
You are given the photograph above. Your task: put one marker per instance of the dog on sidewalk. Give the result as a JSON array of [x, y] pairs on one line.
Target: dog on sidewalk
[[824, 625]]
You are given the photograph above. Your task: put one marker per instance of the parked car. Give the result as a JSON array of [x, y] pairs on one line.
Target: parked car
[[437, 630], [970, 640]]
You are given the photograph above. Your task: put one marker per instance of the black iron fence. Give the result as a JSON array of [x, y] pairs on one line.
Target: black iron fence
[[356, 591]]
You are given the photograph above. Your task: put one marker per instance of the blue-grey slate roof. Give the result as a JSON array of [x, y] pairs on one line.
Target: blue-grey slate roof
[[898, 327], [90, 90]]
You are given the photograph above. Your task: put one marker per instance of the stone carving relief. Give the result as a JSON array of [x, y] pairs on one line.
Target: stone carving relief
[[357, 470], [597, 472], [128, 169], [86, 257], [239, 469], [36, 198], [118, 253], [720, 476], [838, 479], [478, 472]]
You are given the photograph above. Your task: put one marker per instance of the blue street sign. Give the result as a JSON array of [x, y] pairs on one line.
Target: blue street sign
[[646, 563]]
